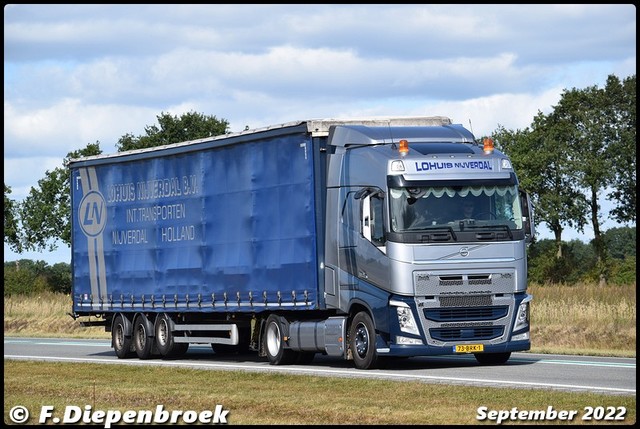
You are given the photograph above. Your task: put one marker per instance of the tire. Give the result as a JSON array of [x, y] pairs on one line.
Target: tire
[[362, 341], [121, 338], [273, 343], [143, 337], [164, 339], [492, 358]]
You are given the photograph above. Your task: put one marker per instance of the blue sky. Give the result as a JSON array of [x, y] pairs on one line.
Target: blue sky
[[77, 74]]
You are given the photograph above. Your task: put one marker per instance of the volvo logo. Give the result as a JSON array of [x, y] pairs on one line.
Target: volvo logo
[[464, 252]]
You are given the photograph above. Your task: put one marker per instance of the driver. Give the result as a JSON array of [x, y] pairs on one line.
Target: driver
[[468, 209]]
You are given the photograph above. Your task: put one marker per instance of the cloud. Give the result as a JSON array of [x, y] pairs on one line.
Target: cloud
[[77, 74]]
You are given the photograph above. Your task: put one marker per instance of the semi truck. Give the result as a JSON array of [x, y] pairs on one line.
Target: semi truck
[[347, 238]]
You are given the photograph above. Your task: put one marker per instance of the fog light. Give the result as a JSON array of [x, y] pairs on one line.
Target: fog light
[[520, 337], [408, 341]]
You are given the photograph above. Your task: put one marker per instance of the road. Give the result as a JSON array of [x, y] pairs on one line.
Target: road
[[615, 376]]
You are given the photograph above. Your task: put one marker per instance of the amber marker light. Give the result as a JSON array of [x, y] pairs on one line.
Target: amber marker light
[[404, 147], [488, 145]]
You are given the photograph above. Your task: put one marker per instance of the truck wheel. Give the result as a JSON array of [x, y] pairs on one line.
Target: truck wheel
[[492, 358], [120, 338], [143, 337], [362, 340], [274, 343], [165, 344]]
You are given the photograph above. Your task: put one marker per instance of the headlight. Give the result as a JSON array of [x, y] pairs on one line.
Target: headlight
[[405, 318], [522, 318]]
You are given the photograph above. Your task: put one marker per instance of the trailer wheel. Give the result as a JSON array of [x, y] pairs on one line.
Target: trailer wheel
[[120, 338], [492, 358], [165, 344], [143, 337], [274, 343], [362, 339]]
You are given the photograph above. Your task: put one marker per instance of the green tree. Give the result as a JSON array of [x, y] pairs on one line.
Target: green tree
[[591, 118], [620, 242], [174, 129], [59, 278], [584, 149], [45, 213], [24, 277], [541, 158], [11, 228], [623, 146]]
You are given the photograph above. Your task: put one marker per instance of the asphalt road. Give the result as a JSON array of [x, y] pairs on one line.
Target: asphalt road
[[614, 376]]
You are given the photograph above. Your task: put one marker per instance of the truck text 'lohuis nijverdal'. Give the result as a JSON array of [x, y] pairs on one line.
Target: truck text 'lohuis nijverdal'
[[360, 239]]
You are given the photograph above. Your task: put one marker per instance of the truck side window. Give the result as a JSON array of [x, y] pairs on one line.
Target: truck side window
[[373, 220], [377, 223]]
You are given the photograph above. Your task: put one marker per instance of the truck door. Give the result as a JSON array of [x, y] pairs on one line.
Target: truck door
[[361, 240], [373, 264]]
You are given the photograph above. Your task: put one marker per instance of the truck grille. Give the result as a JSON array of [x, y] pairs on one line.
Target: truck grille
[[466, 301], [467, 333], [443, 314], [427, 283]]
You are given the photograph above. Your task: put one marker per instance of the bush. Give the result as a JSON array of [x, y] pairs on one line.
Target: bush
[[28, 277], [624, 272], [23, 281]]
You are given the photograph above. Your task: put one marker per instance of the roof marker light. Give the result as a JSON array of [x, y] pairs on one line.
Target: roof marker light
[[404, 147], [488, 145], [397, 165]]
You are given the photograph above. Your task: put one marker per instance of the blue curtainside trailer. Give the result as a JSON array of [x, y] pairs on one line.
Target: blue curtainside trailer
[[301, 238]]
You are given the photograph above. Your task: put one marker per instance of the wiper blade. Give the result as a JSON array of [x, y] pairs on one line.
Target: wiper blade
[[438, 228], [493, 227]]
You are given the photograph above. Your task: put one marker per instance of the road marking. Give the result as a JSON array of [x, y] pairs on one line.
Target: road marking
[[333, 372]]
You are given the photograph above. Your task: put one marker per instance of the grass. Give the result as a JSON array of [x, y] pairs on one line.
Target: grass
[[582, 319], [269, 399]]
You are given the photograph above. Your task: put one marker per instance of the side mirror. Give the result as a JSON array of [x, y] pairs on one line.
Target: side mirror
[[527, 218]]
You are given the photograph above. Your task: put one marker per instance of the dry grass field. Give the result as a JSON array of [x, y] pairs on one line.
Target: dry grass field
[[580, 319]]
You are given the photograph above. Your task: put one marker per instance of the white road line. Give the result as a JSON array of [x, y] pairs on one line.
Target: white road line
[[334, 372]]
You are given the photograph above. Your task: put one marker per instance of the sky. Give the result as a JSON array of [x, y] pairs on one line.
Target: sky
[[79, 74]]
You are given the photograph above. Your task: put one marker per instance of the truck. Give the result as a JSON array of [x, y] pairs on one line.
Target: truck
[[346, 238]]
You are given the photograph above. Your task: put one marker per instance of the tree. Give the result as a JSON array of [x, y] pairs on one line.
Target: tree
[[584, 149], [623, 147], [595, 121], [11, 228], [540, 156], [174, 129], [46, 212], [620, 242]]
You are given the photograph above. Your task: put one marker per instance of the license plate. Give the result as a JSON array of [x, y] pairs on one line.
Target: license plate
[[469, 348]]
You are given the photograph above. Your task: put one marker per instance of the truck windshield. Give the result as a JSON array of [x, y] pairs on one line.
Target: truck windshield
[[457, 208]]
